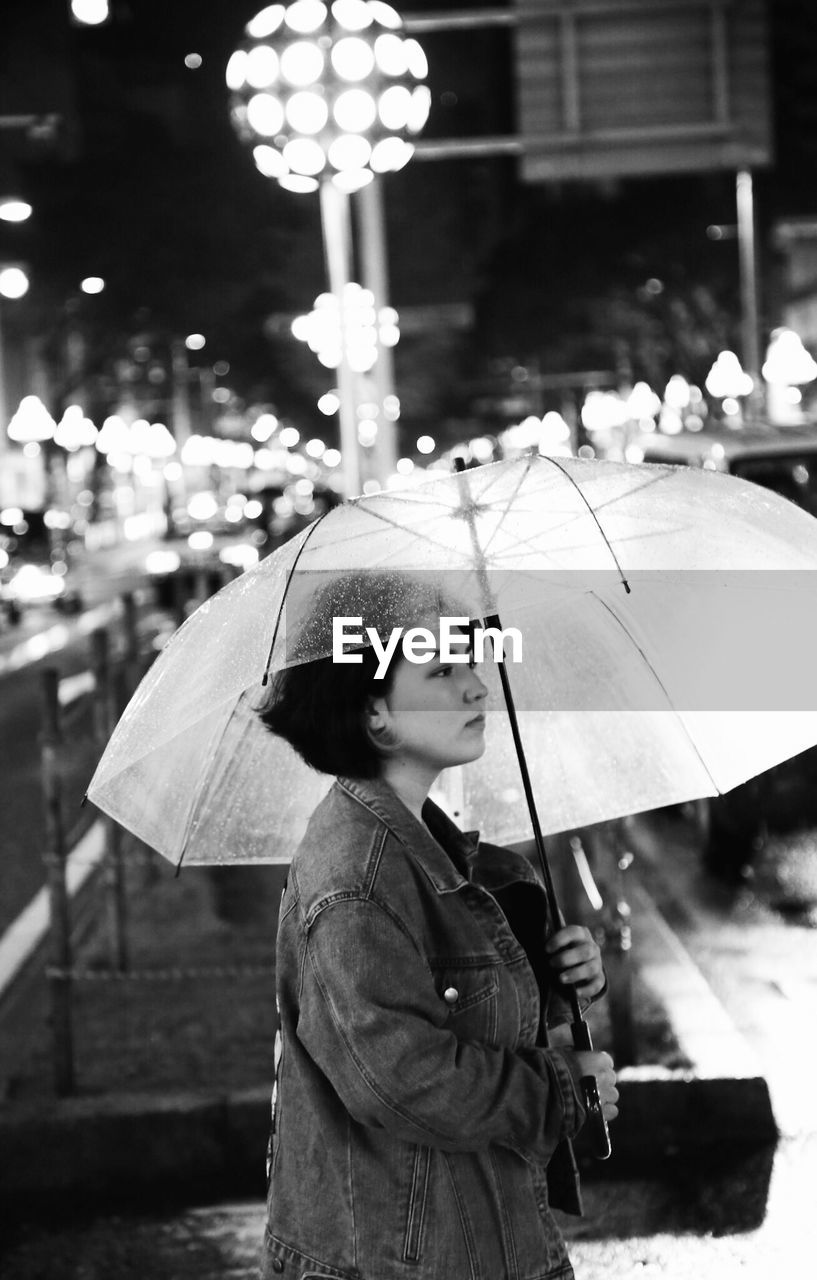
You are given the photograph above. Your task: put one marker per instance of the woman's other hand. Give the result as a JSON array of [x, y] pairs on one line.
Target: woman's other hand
[[600, 1066], [575, 960]]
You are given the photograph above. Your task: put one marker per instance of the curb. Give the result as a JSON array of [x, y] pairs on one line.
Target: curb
[[191, 1145]]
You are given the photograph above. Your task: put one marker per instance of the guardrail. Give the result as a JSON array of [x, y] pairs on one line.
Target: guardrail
[[72, 707]]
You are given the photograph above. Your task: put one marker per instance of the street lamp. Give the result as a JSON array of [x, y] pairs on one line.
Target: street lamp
[[328, 96], [787, 367], [727, 382]]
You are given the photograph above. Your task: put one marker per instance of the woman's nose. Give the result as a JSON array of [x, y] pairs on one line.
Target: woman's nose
[[475, 690]]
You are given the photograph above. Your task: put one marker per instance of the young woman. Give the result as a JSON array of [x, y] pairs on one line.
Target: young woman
[[419, 1098]]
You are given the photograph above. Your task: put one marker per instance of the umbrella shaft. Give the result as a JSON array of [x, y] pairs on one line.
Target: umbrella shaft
[[550, 889], [582, 1040]]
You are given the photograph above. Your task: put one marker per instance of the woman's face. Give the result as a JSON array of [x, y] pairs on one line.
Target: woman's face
[[433, 714]]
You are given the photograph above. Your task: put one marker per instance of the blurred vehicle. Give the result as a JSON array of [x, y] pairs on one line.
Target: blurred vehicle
[[34, 569], [732, 828], [782, 459], [212, 540]]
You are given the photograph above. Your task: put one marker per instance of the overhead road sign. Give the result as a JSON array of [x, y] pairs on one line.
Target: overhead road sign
[[610, 88]]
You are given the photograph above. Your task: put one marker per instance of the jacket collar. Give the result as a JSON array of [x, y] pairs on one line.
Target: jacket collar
[[445, 856]]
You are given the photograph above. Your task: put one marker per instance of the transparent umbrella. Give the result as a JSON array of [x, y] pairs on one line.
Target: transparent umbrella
[[667, 620]]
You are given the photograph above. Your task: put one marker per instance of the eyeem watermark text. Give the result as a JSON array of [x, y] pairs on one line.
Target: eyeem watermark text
[[420, 644]]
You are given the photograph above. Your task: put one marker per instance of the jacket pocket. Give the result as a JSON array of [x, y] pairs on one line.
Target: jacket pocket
[[469, 990], [417, 1199], [281, 1262]]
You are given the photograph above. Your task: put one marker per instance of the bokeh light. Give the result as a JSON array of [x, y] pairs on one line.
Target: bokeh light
[[328, 91]]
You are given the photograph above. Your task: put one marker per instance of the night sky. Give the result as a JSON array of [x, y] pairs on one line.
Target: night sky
[[149, 188]]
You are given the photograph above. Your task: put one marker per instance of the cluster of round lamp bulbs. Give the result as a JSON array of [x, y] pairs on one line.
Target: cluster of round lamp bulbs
[[328, 91]]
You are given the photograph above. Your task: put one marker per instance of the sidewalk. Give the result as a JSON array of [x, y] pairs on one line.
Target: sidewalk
[[174, 1060]]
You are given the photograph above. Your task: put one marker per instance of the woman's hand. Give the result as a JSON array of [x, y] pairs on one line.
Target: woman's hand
[[600, 1066], [575, 960]]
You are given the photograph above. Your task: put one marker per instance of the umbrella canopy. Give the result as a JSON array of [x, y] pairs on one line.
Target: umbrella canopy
[[667, 620]]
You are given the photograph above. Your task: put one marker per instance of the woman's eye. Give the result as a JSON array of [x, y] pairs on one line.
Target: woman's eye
[[442, 671]]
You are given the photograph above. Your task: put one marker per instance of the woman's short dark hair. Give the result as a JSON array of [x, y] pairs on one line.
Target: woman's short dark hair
[[318, 705], [320, 709]]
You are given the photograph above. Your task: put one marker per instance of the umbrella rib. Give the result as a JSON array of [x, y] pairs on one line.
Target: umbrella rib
[[570, 479], [511, 497], [206, 773], [292, 569], [394, 524], [605, 605]]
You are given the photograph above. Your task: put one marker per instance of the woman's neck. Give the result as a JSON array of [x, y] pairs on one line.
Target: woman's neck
[[410, 783]]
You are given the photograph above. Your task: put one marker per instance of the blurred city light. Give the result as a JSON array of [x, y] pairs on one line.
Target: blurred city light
[[643, 406], [263, 427], [114, 435], [603, 410], [787, 360], [32, 422], [162, 562], [195, 341], [90, 13], [677, 392], [426, 444], [92, 284], [289, 437], [670, 421], [14, 210], [329, 403], [13, 282], [74, 430], [787, 367], [241, 555], [201, 540], [328, 91], [34, 582], [354, 321], [726, 379]]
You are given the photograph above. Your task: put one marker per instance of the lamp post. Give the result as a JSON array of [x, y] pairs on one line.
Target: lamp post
[[13, 285], [328, 96]]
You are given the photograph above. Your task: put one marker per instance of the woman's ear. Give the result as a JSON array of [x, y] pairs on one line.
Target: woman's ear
[[378, 725]]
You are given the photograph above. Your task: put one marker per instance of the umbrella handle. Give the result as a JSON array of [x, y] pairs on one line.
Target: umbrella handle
[[596, 1125]]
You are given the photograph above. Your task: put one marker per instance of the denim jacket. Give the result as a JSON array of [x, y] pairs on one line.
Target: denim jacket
[[416, 1107]]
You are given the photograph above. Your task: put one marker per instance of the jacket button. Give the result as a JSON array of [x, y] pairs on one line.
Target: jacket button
[[451, 995], [277, 1264]]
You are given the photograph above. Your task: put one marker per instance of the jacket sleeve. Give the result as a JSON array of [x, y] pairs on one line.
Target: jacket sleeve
[[371, 1019]]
